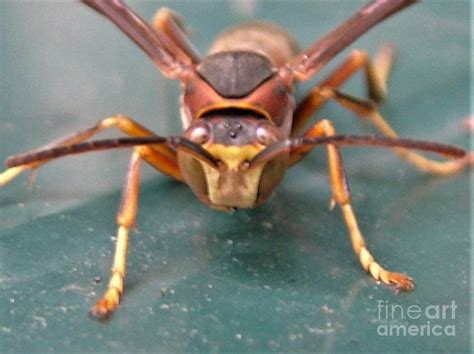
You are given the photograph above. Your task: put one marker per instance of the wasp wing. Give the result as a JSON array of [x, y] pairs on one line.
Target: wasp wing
[[311, 60], [166, 55]]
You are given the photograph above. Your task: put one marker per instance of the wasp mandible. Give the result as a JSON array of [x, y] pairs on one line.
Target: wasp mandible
[[242, 125]]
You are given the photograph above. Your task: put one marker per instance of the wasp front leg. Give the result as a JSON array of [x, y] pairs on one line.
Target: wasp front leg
[[126, 218], [341, 195]]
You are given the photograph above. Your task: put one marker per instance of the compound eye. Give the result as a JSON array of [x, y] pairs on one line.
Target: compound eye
[[265, 135], [200, 134]]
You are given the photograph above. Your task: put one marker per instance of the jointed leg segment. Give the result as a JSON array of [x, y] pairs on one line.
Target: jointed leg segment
[[11, 173], [126, 218], [160, 157], [400, 280], [367, 110], [376, 73], [341, 195]]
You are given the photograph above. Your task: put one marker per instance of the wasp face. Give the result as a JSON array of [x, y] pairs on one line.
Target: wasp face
[[234, 140]]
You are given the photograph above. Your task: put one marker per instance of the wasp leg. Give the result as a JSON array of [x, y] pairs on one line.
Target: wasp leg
[[376, 73], [171, 24], [341, 195], [367, 110], [160, 157], [11, 173], [126, 218]]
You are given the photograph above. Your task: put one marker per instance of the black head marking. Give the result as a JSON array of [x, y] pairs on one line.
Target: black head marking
[[235, 74], [233, 131]]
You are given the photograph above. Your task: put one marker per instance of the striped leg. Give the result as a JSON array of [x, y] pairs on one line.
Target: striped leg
[[367, 110], [341, 195], [126, 218], [376, 73]]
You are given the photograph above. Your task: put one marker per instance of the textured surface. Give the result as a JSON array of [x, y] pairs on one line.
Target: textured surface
[[282, 277]]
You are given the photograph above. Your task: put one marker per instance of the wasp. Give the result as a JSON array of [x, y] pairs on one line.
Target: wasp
[[242, 126]]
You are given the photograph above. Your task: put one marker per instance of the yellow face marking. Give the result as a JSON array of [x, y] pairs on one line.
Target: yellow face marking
[[233, 156], [233, 184]]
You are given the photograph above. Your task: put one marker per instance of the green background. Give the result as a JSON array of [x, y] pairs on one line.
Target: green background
[[282, 277]]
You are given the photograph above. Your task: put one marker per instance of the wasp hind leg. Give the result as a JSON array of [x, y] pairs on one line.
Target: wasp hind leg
[[341, 195], [376, 72], [368, 111]]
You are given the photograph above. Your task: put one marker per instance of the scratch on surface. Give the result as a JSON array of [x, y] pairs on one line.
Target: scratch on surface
[[41, 320], [6, 330]]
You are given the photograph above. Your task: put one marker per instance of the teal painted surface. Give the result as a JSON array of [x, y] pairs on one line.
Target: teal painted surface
[[282, 277]]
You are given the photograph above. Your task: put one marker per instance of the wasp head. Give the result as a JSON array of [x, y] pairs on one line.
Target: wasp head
[[233, 139]]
